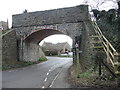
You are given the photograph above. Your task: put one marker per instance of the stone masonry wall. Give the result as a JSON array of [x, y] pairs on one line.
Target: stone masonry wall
[[87, 59], [9, 48], [56, 16], [68, 21], [28, 51], [70, 29], [31, 51], [0, 49]]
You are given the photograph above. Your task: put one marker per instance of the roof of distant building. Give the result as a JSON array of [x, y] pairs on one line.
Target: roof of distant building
[[56, 47]]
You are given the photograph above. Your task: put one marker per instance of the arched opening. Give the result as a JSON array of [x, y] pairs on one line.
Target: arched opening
[[31, 50], [57, 45]]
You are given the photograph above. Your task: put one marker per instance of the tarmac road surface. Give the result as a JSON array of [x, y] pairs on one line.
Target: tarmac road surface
[[48, 74]]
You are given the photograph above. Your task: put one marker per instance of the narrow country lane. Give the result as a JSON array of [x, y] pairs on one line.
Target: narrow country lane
[[48, 74]]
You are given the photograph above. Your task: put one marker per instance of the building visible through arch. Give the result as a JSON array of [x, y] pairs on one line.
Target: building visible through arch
[[33, 27], [56, 49]]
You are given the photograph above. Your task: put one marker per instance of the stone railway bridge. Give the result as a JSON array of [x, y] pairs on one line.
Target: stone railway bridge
[[28, 29]]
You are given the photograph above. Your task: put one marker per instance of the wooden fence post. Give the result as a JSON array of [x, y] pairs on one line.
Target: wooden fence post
[[78, 62], [108, 52], [117, 68], [100, 59]]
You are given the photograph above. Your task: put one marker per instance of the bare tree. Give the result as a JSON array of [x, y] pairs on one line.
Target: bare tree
[[101, 4], [118, 2]]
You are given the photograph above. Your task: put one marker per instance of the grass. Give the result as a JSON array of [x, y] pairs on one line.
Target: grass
[[85, 78], [21, 64], [91, 78], [4, 31], [85, 75], [42, 59], [81, 79]]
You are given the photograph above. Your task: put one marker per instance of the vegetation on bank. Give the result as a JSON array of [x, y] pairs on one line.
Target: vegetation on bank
[[91, 78], [42, 59], [5, 31], [109, 21], [21, 64]]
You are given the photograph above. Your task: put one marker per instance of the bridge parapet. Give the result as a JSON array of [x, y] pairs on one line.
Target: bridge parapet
[[56, 16]]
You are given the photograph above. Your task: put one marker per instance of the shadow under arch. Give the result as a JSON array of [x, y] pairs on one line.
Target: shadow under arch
[[30, 49], [39, 35]]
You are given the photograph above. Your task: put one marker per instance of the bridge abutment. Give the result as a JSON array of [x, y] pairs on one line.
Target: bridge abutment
[[29, 51], [9, 48]]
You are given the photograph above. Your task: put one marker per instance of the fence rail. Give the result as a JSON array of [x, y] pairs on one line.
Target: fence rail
[[111, 53]]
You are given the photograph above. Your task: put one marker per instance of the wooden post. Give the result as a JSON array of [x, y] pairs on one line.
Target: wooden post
[[78, 63], [108, 53], [99, 57], [74, 53], [118, 81], [118, 76], [99, 66]]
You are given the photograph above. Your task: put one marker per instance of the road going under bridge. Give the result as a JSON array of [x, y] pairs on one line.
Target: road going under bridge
[[32, 27]]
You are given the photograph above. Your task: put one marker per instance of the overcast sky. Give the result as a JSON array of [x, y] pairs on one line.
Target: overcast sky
[[10, 7]]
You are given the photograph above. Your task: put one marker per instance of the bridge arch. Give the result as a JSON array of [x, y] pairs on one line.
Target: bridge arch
[[29, 46], [29, 37], [39, 35], [31, 27]]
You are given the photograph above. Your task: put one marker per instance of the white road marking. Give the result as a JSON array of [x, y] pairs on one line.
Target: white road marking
[[53, 67], [47, 74], [43, 86], [51, 85], [45, 79], [10, 71], [54, 80], [49, 70]]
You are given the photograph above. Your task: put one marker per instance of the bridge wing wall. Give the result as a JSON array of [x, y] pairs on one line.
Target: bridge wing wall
[[9, 48], [56, 16]]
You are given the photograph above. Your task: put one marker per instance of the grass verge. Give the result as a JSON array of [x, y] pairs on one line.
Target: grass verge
[[90, 79], [21, 64]]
